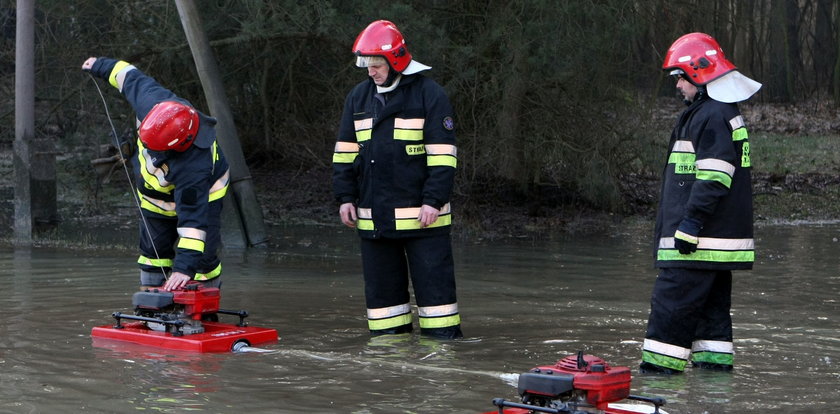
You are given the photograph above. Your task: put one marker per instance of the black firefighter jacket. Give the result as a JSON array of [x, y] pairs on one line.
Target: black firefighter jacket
[[707, 178], [177, 185], [396, 152]]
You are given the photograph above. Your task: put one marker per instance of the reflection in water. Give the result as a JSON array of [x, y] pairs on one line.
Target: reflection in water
[[524, 304]]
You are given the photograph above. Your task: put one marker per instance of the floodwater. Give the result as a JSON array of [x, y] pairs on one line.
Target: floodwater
[[523, 303]]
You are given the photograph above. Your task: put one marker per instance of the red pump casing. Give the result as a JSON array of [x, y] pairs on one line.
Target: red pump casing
[[601, 383]]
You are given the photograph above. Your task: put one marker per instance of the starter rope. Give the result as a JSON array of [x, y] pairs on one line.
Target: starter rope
[[124, 162]]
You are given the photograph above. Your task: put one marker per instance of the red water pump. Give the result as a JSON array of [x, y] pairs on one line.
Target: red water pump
[[576, 384]]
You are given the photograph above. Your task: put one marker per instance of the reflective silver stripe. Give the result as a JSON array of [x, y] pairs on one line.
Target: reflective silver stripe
[[363, 124], [120, 78], [716, 165], [364, 213], [435, 311], [722, 347], [163, 205], [442, 149], [192, 233], [666, 349], [414, 212], [683, 146], [415, 123], [221, 182], [151, 169], [737, 122], [389, 312], [713, 243], [342, 146]]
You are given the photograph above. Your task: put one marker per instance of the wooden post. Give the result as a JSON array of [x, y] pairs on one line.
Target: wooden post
[[24, 118], [250, 212]]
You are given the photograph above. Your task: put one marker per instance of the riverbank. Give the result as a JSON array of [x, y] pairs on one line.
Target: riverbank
[[796, 158]]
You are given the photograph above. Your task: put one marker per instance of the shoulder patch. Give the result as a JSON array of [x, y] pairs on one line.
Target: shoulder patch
[[449, 123]]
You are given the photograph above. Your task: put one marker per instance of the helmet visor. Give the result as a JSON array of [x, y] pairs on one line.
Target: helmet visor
[[367, 61]]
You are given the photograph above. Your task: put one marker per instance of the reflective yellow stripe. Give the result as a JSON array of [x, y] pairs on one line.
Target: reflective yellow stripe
[[209, 275], [408, 134], [148, 261], [718, 176], [344, 158], [681, 158], [166, 208], [112, 78], [441, 161], [685, 236], [414, 224], [191, 244], [362, 136], [215, 195], [380, 324], [740, 134], [440, 322], [365, 224]]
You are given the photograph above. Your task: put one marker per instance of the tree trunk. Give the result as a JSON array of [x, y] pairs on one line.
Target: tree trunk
[[246, 204]]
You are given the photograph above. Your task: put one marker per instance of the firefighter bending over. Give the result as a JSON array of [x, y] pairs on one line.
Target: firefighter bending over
[[181, 177]]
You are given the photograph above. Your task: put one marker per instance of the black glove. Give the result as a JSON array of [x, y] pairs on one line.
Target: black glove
[[685, 239]]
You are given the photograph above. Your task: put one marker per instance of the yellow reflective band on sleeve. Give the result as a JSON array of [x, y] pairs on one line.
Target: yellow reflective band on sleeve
[[344, 158], [365, 224], [681, 158], [740, 134], [388, 323], [408, 134], [165, 208], [191, 244], [414, 224], [209, 275], [363, 135], [718, 176], [112, 79], [148, 261], [440, 322], [441, 161], [216, 192]]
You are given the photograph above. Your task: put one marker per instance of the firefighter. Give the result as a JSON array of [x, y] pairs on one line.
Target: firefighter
[[181, 177], [704, 226], [393, 172]]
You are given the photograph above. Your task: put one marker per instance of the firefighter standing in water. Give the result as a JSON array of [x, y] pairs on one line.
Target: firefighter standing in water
[[181, 178], [704, 227], [393, 172]]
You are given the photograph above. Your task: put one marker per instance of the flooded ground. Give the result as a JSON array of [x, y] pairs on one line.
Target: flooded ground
[[523, 304]]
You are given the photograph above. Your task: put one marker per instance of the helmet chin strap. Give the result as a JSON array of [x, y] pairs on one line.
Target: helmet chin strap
[[701, 93]]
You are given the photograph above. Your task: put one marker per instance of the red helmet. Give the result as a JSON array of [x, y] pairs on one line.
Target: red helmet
[[699, 57], [169, 126], [382, 38]]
